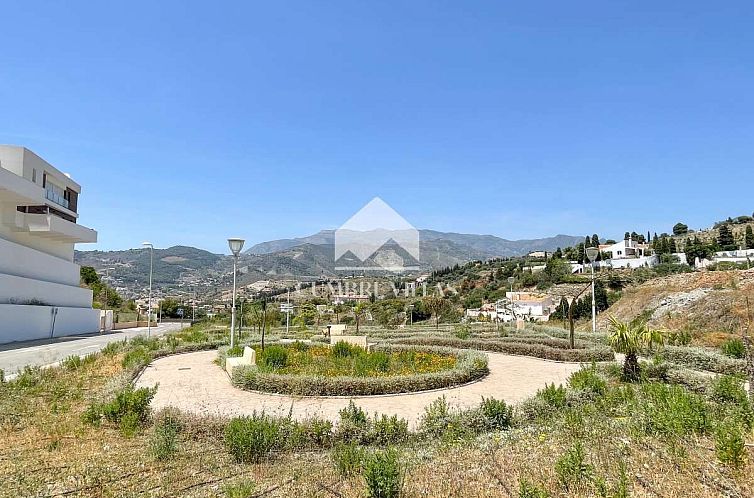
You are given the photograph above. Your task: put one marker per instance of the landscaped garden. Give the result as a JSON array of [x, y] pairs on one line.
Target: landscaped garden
[[348, 370], [662, 426]]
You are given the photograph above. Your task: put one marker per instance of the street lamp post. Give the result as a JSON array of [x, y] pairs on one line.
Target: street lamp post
[[235, 245], [149, 305], [591, 253], [510, 281]]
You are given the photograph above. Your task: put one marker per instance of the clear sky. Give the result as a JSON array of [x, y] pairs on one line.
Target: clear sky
[[188, 122]]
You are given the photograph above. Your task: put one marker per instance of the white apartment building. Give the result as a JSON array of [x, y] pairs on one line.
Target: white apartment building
[[628, 254], [40, 296]]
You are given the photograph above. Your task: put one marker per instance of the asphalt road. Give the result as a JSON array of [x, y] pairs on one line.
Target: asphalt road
[[16, 355]]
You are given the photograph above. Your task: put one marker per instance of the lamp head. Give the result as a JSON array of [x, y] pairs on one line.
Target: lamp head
[[591, 253], [511, 280], [235, 246], [147, 244]]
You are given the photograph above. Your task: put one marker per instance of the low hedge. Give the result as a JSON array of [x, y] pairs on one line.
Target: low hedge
[[552, 349], [470, 366], [703, 359]]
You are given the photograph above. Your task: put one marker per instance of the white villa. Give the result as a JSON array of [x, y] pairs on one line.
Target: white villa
[[40, 295], [628, 254], [516, 305]]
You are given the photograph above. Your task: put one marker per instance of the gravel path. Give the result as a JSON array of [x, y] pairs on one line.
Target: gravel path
[[193, 383]]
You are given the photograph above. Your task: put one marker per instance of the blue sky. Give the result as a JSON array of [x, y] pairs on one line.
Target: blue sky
[[188, 122]]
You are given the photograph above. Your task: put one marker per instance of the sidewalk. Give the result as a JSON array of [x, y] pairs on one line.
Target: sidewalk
[[16, 355]]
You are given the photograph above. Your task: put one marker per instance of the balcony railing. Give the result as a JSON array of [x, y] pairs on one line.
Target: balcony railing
[[56, 198]]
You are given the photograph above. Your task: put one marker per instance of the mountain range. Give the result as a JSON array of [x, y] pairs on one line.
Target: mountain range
[[304, 258]]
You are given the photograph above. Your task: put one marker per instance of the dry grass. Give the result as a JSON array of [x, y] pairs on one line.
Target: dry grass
[[46, 450]]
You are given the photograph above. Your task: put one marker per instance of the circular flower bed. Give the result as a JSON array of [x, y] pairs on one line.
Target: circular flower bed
[[344, 370]]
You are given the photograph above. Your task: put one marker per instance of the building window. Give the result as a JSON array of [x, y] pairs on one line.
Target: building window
[[34, 175]]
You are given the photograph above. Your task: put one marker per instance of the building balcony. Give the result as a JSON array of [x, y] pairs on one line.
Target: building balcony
[[50, 226], [58, 199]]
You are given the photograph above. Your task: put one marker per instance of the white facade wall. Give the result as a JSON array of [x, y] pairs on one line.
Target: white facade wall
[[21, 290], [21, 261], [40, 295], [27, 323]]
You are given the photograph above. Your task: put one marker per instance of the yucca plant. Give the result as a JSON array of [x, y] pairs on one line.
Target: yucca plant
[[630, 338]]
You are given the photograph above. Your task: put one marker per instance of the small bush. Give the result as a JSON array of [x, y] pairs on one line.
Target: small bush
[[734, 348], [529, 490], [679, 337], [383, 473], [313, 433], [704, 359], [671, 411], [587, 379], [388, 430], [243, 488], [113, 348], [138, 357], [730, 446], [73, 362], [151, 343], [436, 418], [250, 439], [498, 415], [342, 349], [553, 396], [462, 331], [274, 357], [164, 442], [234, 352], [348, 458], [572, 469], [129, 409], [354, 424]]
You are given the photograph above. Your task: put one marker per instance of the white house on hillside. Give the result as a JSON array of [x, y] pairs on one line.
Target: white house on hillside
[[628, 254], [40, 295]]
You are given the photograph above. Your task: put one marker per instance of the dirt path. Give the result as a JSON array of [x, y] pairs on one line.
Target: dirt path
[[193, 383]]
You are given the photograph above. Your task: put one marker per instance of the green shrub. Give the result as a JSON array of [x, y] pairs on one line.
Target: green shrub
[[587, 379], [679, 337], [354, 424], [571, 468], [348, 458], [498, 415], [313, 433], [436, 417], [657, 369], [234, 352], [529, 490], [384, 474], [151, 343], [671, 411], [243, 488], [135, 358], [734, 348], [164, 442], [730, 446], [462, 331], [113, 348], [553, 396], [129, 409], [250, 439], [342, 349], [388, 430], [73, 362], [274, 357]]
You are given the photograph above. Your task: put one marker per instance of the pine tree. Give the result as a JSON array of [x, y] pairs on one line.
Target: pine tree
[[671, 246], [725, 238], [627, 236], [749, 238], [595, 240]]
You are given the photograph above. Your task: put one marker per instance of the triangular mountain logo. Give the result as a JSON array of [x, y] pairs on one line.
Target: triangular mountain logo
[[370, 229]]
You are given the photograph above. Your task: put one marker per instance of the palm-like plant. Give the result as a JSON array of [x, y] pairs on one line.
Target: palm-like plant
[[630, 338]]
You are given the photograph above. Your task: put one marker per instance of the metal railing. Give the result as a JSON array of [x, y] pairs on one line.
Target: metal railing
[[56, 198]]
